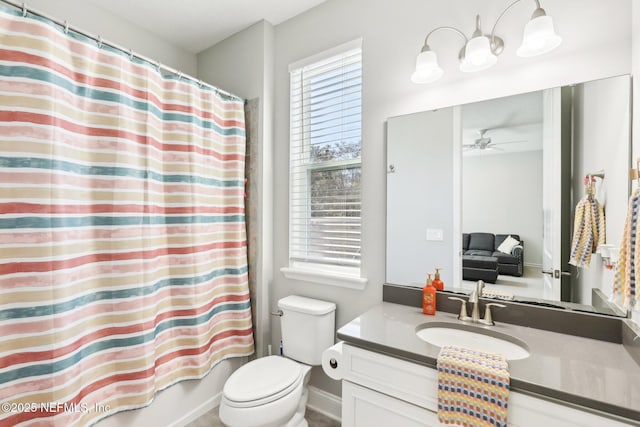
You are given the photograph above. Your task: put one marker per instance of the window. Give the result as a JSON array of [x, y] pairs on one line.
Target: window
[[325, 168]]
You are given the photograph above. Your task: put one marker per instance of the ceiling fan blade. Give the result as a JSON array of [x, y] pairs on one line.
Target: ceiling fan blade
[[509, 142]]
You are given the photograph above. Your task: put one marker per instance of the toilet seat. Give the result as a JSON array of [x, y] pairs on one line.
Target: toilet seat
[[262, 381]]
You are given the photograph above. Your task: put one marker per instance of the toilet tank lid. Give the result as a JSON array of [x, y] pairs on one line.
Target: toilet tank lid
[[306, 305]]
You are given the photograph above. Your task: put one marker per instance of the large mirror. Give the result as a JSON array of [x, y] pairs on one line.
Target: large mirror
[[488, 191]]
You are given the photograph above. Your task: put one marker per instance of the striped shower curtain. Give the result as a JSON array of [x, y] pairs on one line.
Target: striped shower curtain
[[123, 265]]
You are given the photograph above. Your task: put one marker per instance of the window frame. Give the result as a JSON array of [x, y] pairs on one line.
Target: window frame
[[318, 272]]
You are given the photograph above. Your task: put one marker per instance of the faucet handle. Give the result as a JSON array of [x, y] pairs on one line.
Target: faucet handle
[[488, 319], [463, 308]]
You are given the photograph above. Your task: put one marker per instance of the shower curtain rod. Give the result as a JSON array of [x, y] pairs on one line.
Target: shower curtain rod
[[67, 27]]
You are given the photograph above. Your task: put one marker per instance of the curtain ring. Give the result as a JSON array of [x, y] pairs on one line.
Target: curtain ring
[[24, 9], [131, 54], [179, 75], [99, 42], [66, 27]]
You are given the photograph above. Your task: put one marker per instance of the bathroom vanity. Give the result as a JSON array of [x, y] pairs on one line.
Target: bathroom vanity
[[582, 368], [389, 375]]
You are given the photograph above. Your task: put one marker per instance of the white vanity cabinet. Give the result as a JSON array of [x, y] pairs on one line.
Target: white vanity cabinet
[[363, 407], [379, 390]]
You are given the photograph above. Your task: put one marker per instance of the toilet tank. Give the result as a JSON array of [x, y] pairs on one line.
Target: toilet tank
[[308, 327]]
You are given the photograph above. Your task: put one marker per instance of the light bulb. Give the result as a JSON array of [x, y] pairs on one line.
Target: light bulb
[[427, 68], [478, 55], [539, 37]]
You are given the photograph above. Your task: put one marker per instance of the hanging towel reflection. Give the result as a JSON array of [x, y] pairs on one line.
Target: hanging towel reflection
[[588, 227], [624, 285]]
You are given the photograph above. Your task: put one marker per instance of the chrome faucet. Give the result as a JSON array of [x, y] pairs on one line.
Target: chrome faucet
[[474, 298]]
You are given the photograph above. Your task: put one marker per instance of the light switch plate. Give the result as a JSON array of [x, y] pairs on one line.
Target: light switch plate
[[435, 234]]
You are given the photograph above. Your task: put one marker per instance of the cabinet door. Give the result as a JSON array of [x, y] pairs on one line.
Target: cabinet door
[[403, 380], [527, 411], [362, 407]]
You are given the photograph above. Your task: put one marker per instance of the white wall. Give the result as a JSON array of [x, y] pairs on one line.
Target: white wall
[[502, 194], [243, 65], [635, 20], [601, 143], [635, 70], [100, 22], [393, 33], [420, 192], [191, 397]]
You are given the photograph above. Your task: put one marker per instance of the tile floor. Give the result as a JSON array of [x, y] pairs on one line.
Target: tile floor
[[315, 419]]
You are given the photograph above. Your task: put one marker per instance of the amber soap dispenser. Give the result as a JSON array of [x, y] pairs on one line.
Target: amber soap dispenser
[[429, 297], [437, 283]]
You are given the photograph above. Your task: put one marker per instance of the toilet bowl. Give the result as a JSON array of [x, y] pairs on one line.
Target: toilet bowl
[[272, 391]]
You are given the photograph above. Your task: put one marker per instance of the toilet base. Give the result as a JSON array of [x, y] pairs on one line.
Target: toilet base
[[298, 419], [256, 416]]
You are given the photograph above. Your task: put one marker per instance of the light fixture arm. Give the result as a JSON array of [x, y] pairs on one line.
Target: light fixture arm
[[497, 45], [426, 47]]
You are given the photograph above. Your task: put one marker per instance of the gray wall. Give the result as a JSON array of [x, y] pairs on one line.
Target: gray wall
[[238, 63], [502, 194]]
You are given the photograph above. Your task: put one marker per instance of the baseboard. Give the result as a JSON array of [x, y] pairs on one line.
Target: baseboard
[[319, 400], [198, 412], [531, 265], [327, 404]]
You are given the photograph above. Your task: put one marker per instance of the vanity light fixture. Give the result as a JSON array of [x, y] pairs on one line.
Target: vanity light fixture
[[481, 50]]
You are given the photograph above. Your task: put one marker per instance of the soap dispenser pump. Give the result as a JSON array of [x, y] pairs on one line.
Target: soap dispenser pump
[[429, 297]]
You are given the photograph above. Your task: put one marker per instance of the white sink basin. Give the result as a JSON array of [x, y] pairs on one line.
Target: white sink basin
[[441, 334]]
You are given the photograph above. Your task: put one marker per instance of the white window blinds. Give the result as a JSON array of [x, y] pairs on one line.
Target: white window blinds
[[325, 169]]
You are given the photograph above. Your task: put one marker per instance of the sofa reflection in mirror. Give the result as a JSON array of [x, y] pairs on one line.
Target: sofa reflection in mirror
[[487, 255]]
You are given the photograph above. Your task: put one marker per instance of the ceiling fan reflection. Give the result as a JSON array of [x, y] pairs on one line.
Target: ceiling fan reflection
[[485, 143]]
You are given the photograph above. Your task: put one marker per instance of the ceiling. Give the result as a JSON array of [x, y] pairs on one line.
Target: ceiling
[[513, 123], [195, 25]]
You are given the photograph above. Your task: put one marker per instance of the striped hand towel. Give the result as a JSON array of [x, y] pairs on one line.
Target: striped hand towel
[[624, 286], [473, 388], [582, 242], [589, 231]]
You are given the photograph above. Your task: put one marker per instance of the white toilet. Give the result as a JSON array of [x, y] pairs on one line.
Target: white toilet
[[272, 391]]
